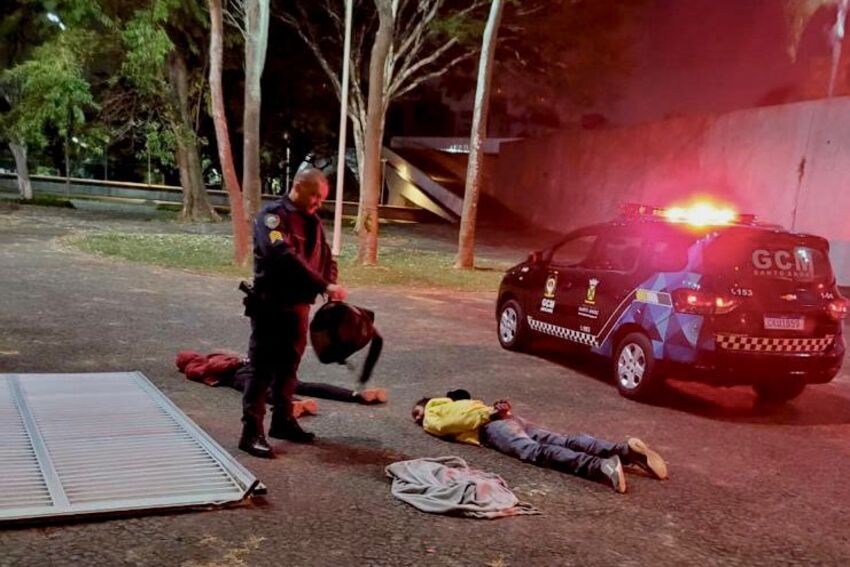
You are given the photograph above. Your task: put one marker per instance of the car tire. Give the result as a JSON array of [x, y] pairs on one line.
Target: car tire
[[511, 326], [779, 392], [634, 368]]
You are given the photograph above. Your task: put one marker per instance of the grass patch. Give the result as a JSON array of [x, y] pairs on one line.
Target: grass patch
[[198, 252], [413, 268], [47, 201], [169, 207], [400, 263]]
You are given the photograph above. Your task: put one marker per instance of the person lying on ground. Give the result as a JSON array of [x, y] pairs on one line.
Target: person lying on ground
[[367, 396], [226, 369], [460, 418]]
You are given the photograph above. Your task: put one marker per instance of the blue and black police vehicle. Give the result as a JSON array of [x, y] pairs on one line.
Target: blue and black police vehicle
[[697, 293]]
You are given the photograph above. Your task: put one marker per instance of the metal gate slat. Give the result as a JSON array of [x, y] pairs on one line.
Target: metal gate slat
[[164, 485], [133, 471], [170, 492], [111, 442], [136, 461], [112, 447], [140, 454], [51, 479], [190, 468], [151, 485]]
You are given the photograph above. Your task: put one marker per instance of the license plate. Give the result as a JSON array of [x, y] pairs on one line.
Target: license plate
[[785, 323]]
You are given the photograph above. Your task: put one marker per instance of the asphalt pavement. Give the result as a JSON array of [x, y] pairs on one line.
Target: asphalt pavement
[[747, 486]]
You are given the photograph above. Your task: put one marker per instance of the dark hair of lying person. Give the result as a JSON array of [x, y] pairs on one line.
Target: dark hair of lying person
[[418, 410], [459, 394]]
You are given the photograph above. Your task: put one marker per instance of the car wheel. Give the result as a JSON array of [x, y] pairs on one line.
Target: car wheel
[[634, 367], [512, 328], [779, 392]]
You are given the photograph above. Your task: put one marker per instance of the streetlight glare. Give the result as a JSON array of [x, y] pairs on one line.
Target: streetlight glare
[[56, 20]]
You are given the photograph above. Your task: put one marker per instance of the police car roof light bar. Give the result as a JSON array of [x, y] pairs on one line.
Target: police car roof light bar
[[701, 214]]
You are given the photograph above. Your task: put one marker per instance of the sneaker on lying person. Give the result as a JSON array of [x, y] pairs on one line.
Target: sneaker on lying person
[[372, 396], [645, 458], [612, 471], [304, 407]]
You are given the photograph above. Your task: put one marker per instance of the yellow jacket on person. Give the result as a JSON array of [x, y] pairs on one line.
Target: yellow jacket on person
[[458, 420]]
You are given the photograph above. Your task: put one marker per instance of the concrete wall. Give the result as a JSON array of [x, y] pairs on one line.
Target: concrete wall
[[760, 161]]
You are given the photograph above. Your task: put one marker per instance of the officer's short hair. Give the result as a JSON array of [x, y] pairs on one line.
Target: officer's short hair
[[310, 177]]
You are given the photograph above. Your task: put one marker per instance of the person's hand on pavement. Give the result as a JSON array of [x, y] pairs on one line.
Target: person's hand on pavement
[[502, 408]]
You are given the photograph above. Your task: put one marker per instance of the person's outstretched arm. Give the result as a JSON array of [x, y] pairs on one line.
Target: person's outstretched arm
[[325, 391]]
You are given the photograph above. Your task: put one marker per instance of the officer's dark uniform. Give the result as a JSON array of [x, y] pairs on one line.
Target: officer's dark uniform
[[292, 265]]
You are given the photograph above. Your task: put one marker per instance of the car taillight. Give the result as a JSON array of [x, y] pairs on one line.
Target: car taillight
[[702, 302], [837, 308]]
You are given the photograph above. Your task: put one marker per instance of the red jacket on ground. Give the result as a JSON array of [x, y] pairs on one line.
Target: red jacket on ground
[[212, 369]]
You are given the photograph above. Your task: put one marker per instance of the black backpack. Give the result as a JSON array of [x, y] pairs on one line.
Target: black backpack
[[338, 330]]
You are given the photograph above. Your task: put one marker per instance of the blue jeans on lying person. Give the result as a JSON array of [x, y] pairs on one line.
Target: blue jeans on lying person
[[576, 454]]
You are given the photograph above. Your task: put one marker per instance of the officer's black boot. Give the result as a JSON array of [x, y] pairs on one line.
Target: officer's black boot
[[286, 427], [254, 442]]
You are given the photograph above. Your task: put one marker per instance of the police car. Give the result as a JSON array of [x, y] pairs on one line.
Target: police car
[[698, 293]]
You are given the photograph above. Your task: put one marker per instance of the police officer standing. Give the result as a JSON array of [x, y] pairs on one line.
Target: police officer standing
[[292, 265]]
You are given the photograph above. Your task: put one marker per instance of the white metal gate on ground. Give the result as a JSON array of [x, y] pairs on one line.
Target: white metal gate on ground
[[73, 444]]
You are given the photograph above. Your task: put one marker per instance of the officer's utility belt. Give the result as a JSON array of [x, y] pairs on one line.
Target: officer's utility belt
[[250, 301], [257, 302]]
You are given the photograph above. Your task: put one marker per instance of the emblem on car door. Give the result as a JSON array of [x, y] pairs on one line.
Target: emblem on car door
[[591, 291], [551, 283], [547, 304]]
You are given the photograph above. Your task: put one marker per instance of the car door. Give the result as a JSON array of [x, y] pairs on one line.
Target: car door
[[603, 282], [555, 310]]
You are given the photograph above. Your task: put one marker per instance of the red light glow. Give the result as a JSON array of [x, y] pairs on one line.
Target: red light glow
[[702, 303], [701, 214], [838, 308]]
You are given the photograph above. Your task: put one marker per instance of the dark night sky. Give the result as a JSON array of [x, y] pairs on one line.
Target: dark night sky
[[706, 56]]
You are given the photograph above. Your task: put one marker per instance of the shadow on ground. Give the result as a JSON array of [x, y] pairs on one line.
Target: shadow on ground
[[818, 405]]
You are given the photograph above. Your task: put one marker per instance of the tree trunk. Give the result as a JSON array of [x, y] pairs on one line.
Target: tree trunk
[[359, 145], [181, 155], [466, 235], [238, 220], [67, 166], [19, 150], [196, 205], [370, 191], [256, 39]]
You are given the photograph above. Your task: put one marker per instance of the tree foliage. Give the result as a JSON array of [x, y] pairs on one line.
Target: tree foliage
[[413, 43], [426, 44], [157, 93], [557, 58], [48, 90]]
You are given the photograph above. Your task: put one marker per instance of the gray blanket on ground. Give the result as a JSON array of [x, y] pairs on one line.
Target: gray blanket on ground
[[446, 485]]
